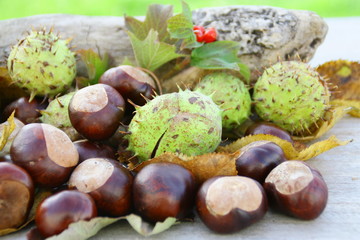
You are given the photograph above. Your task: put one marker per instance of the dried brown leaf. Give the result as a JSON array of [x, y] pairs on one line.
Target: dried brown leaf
[[203, 167], [291, 153], [343, 78]]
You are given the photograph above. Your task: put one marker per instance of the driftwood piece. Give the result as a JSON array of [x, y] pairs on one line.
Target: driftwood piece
[[265, 34]]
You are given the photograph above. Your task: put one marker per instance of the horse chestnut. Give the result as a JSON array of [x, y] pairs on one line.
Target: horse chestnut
[[297, 189], [96, 111], [258, 158], [227, 204], [130, 82], [88, 149], [45, 152], [269, 128], [164, 190], [25, 110], [16, 195], [58, 211], [107, 182]]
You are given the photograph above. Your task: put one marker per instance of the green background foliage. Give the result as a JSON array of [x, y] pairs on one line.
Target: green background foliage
[[22, 8]]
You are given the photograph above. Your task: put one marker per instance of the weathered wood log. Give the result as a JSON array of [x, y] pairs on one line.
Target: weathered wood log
[[265, 34]]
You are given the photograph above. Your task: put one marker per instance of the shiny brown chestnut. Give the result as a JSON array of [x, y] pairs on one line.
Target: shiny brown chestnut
[[131, 82], [163, 190], [6, 158], [58, 211], [96, 111], [107, 182], [25, 110], [297, 189], [45, 152], [16, 195], [228, 204], [269, 128], [258, 158], [88, 149]]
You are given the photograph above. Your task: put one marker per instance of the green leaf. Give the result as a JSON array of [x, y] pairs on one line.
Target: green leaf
[[156, 19], [150, 53], [180, 26], [127, 61], [216, 55], [95, 65], [186, 11]]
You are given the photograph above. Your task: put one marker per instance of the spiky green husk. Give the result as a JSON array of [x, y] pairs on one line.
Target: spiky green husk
[[57, 114], [42, 64], [230, 94], [185, 122], [292, 95]]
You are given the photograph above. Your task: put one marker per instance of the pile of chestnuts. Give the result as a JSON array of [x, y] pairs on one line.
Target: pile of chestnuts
[[88, 180]]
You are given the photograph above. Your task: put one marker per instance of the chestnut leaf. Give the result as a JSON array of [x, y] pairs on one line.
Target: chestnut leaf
[[216, 55], [150, 53], [180, 26], [156, 19], [86, 229], [95, 64]]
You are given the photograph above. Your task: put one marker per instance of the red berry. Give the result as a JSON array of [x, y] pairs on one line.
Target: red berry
[[199, 33], [210, 35]]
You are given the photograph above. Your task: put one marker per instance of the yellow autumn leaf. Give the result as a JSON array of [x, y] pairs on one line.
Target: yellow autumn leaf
[[7, 130], [291, 153], [352, 106]]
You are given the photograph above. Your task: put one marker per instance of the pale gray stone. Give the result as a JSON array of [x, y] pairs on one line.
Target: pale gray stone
[[266, 34]]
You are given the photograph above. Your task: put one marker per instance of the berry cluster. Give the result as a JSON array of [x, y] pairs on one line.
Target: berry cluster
[[205, 35]]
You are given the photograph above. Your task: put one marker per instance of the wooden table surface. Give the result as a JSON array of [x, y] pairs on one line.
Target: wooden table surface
[[340, 168]]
